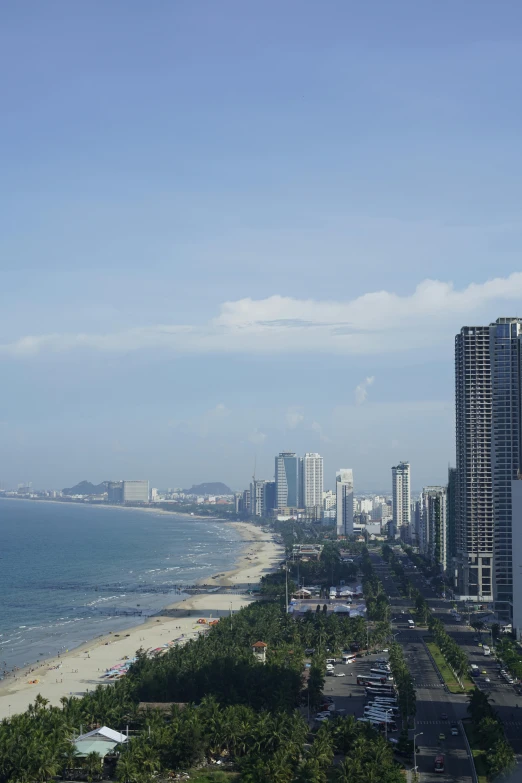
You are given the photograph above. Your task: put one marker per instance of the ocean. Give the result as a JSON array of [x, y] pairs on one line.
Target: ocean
[[68, 571]]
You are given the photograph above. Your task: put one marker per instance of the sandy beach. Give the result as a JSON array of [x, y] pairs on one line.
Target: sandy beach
[[82, 669]]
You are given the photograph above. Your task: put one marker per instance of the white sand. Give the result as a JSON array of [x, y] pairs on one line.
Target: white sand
[[82, 669]]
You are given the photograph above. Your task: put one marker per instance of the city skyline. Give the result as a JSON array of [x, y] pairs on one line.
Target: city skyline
[[266, 251]]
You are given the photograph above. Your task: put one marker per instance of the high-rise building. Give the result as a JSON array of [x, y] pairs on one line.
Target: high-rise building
[[452, 520], [312, 480], [344, 505], [433, 541], [269, 498], [381, 513], [401, 495], [287, 472], [245, 504], [474, 488], [516, 495], [488, 422], [115, 491], [136, 491], [257, 498], [261, 497], [329, 500], [505, 348], [416, 522]]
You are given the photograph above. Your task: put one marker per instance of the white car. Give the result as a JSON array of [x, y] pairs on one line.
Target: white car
[[340, 674]]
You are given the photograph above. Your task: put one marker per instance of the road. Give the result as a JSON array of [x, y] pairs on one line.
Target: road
[[433, 700], [504, 698]]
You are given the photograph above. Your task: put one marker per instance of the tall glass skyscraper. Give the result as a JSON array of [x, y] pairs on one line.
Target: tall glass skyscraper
[[344, 501], [287, 473], [488, 423], [505, 449]]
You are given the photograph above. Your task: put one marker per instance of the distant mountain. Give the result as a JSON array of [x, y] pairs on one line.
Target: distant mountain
[[86, 488], [209, 488]]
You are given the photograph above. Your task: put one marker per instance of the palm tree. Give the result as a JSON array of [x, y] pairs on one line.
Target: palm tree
[[127, 770], [71, 758], [93, 766]]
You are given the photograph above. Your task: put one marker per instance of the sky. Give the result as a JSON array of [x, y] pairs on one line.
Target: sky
[[229, 229]]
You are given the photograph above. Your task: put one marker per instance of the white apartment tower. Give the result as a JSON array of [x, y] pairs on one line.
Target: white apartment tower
[[257, 498], [312, 480], [344, 505], [401, 495]]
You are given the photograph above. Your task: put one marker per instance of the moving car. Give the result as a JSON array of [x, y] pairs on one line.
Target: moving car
[[442, 736], [339, 674], [439, 763], [454, 731]]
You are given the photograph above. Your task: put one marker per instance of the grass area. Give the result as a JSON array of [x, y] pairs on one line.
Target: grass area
[[447, 674], [478, 753]]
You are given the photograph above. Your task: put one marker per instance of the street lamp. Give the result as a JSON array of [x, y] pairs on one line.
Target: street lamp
[[386, 723], [415, 750]]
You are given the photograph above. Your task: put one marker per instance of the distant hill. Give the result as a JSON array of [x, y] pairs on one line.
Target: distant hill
[[209, 488], [86, 488]]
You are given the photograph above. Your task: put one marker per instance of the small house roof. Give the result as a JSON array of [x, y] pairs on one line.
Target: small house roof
[[104, 733], [259, 644]]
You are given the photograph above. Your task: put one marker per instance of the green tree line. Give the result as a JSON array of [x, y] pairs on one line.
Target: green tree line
[[489, 733]]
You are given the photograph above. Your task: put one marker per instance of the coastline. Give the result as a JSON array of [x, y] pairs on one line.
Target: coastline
[[83, 668], [119, 507]]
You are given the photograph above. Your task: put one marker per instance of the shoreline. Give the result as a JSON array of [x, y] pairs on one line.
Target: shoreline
[[121, 507], [83, 668]]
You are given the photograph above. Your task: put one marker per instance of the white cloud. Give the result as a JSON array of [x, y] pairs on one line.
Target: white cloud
[[293, 419], [377, 322], [361, 391], [316, 427], [204, 424], [219, 412], [257, 437]]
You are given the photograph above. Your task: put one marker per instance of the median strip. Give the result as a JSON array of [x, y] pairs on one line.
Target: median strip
[[447, 676]]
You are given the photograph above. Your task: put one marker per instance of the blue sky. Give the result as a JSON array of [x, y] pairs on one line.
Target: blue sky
[[218, 220]]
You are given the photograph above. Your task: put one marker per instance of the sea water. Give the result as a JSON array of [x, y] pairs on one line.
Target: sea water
[[68, 571]]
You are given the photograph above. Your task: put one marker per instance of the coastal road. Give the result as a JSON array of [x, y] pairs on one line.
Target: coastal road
[[433, 700], [504, 699]]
